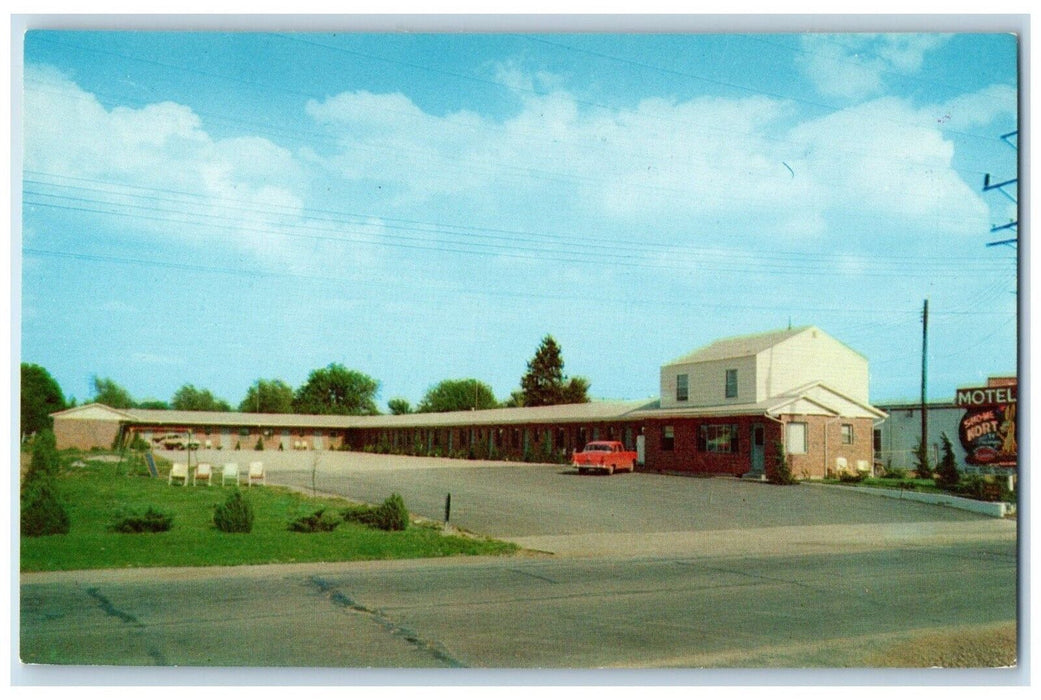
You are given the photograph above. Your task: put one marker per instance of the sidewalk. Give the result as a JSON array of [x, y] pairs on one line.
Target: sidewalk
[[772, 541]]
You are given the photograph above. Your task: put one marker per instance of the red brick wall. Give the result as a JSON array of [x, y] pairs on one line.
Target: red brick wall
[[821, 453], [685, 456], [84, 434]]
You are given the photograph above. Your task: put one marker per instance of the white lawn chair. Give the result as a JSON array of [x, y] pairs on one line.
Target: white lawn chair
[[256, 474], [179, 470], [230, 471], [204, 472]]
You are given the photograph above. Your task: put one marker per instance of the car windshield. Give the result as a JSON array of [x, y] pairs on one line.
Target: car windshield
[[601, 447]]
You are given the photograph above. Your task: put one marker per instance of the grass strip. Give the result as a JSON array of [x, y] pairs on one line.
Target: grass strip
[[96, 492]]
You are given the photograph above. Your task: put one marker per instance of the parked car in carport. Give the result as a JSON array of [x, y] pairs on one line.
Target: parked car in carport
[[176, 441]]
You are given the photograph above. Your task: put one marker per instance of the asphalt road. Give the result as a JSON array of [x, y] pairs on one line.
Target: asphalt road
[[645, 571], [822, 610]]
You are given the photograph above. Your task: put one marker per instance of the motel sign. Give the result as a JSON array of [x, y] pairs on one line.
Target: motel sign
[[988, 428]]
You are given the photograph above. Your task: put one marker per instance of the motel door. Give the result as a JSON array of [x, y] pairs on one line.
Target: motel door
[[758, 444]]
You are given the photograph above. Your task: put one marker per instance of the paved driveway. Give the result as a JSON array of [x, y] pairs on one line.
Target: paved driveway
[[553, 508]]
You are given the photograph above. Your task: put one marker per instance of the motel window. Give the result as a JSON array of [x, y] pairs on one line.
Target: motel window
[[847, 434], [682, 387], [718, 438], [877, 439], [668, 437], [797, 438], [731, 384]]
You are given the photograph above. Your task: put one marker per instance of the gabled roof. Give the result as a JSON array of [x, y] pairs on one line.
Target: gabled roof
[[738, 346], [94, 411]]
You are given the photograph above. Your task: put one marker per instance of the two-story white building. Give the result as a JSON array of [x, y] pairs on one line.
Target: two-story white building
[[730, 406]]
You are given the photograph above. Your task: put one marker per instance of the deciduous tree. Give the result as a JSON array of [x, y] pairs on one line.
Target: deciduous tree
[[457, 395], [336, 390], [399, 406], [268, 396], [41, 396], [111, 394], [188, 398]]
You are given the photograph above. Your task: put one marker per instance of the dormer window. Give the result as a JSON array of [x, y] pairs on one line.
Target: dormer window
[[731, 384], [682, 387]]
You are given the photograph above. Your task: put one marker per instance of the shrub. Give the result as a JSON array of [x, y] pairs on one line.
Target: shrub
[[151, 520], [389, 515], [947, 476], [44, 460], [392, 514], [259, 447], [139, 443], [235, 514], [319, 521], [782, 472], [852, 477], [895, 473], [922, 467], [43, 512]]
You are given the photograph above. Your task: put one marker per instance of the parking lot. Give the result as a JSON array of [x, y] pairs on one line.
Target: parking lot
[[553, 508]]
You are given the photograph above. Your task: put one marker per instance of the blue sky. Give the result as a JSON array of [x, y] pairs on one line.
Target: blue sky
[[214, 208]]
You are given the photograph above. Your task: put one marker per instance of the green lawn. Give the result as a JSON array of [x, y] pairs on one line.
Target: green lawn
[[95, 494]]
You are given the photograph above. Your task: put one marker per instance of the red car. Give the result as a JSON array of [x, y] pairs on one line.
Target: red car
[[604, 455]]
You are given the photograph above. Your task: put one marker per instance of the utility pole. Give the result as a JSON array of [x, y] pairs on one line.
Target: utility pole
[[988, 185], [925, 366]]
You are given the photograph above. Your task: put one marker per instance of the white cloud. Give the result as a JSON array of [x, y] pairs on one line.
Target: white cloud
[[157, 162], [886, 158], [854, 66], [687, 164], [980, 108]]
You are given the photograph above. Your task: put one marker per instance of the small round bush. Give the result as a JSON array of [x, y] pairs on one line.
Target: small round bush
[[235, 514]]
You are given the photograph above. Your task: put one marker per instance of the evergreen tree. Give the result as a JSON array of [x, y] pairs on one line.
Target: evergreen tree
[[544, 384], [948, 475], [921, 461]]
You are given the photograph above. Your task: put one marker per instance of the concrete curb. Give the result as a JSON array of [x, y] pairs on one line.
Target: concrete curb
[[993, 509]]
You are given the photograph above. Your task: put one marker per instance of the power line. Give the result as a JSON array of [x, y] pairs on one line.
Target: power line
[[454, 290]]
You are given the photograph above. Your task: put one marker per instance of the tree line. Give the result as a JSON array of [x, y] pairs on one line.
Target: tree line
[[330, 390]]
